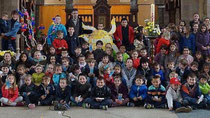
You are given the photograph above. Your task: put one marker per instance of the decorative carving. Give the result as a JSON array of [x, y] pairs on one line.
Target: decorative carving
[[102, 13]]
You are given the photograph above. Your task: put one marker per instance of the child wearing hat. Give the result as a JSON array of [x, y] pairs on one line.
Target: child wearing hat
[[174, 98]]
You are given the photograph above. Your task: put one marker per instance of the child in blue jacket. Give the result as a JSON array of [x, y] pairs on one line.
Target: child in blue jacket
[[138, 92]]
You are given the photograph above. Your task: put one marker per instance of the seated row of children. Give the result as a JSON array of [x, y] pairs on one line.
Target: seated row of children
[[177, 96]]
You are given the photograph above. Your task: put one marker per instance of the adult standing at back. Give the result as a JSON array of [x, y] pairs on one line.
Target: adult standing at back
[[9, 38], [76, 22], [54, 28], [124, 35]]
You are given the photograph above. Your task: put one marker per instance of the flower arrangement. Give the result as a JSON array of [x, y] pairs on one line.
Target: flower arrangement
[[151, 28]]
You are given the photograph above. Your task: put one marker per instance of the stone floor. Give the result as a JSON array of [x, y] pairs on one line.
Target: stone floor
[[77, 112]]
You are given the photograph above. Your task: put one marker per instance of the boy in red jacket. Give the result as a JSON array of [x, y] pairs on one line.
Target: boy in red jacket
[[59, 43]]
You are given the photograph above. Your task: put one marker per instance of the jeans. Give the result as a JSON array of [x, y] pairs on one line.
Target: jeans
[[207, 97], [30, 99], [188, 101], [138, 103], [176, 104], [47, 101], [78, 103], [96, 105], [92, 81], [5, 101], [124, 102], [156, 104], [9, 44]]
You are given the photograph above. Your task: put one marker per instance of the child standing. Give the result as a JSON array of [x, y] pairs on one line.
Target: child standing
[[10, 92], [21, 73], [129, 73], [98, 53], [91, 71], [46, 91], [50, 71], [156, 94], [29, 92], [59, 43], [174, 98], [100, 96], [138, 92], [136, 59], [145, 70], [156, 70], [119, 59], [203, 40]]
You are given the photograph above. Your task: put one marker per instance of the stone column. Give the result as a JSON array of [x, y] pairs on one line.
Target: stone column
[[208, 8], [188, 8], [69, 7]]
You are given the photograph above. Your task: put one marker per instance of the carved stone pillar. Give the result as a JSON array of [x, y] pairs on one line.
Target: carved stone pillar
[[69, 7], [134, 10]]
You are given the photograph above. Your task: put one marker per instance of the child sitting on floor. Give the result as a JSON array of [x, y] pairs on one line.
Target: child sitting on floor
[[46, 91], [156, 94], [119, 93], [174, 98], [138, 92], [10, 92], [29, 92], [100, 96]]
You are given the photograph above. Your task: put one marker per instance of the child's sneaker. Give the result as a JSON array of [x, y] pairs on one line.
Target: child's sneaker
[[183, 109], [73, 104], [130, 104], [104, 107], [20, 104], [148, 106], [31, 106], [86, 105], [200, 99]]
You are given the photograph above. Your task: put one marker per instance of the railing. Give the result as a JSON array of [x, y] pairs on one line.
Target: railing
[[118, 17], [87, 19]]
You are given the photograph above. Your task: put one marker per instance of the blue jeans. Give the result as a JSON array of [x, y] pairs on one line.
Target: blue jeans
[[92, 81], [96, 105], [176, 104], [188, 101], [207, 97], [30, 99], [157, 104], [47, 101], [78, 103]]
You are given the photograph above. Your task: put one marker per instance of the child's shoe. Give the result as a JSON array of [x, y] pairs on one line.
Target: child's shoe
[[31, 106], [130, 104], [149, 106], [20, 104], [183, 109], [86, 105], [104, 107]]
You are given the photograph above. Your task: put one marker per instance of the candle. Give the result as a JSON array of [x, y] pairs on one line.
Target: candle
[[153, 14]]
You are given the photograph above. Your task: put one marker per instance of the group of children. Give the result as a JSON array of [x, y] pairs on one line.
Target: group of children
[[72, 74]]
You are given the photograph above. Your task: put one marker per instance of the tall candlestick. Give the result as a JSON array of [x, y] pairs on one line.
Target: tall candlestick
[[153, 14]]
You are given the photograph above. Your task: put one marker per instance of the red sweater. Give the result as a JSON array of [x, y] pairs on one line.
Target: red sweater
[[10, 93], [118, 35], [60, 43], [161, 42], [136, 63]]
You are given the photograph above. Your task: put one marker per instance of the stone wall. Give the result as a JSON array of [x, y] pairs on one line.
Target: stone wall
[[8, 6]]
